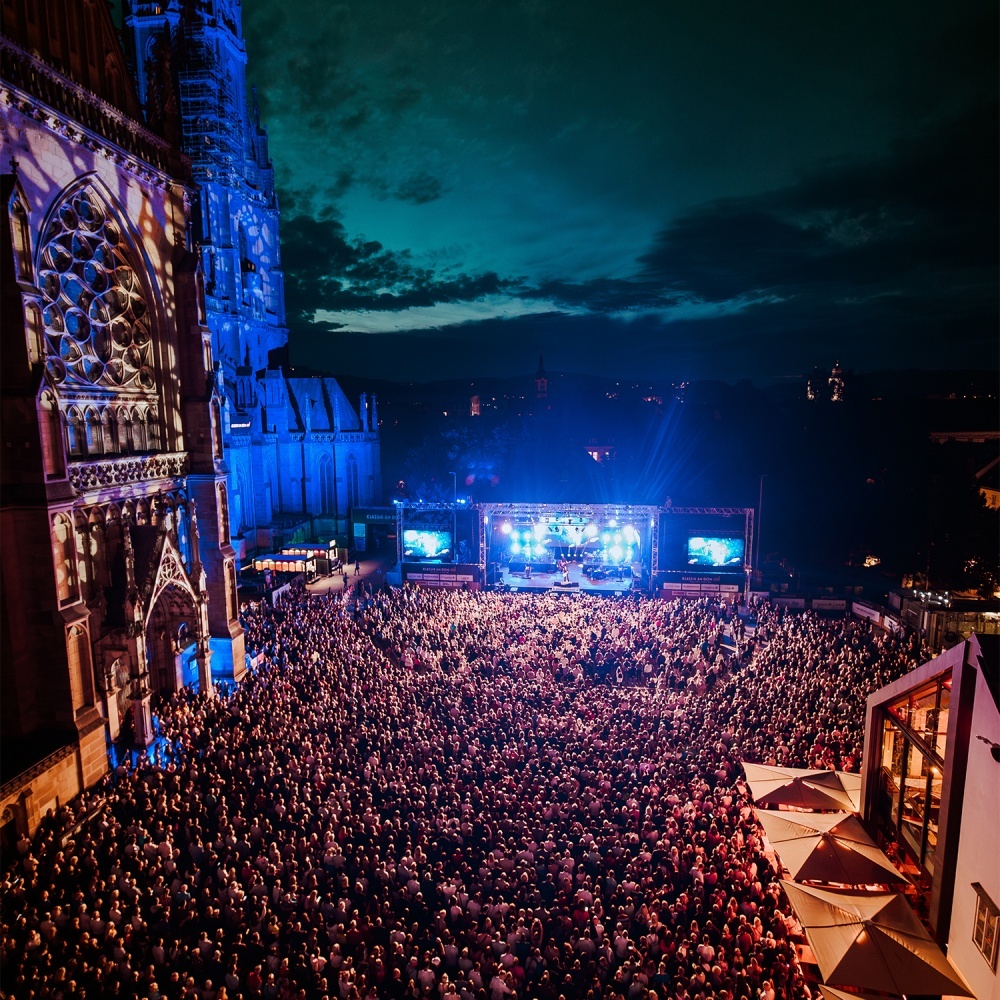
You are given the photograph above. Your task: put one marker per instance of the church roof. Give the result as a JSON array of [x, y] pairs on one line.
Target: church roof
[[326, 398]]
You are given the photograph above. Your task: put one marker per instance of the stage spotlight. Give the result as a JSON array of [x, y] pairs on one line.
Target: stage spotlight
[[515, 547], [629, 533], [539, 531], [505, 527], [612, 523], [616, 553], [590, 531], [486, 518], [606, 538]]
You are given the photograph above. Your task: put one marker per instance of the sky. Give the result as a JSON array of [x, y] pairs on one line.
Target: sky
[[645, 189]]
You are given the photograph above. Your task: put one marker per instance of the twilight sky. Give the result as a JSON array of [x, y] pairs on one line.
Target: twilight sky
[[645, 188]]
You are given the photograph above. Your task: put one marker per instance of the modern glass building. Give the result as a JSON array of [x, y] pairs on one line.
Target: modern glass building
[[911, 776], [931, 788]]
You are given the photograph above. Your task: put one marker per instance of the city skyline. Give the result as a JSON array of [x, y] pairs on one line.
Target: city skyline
[[667, 194]]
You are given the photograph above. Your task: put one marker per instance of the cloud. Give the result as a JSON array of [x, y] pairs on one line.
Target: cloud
[[439, 316], [327, 271], [420, 188], [873, 260], [886, 226]]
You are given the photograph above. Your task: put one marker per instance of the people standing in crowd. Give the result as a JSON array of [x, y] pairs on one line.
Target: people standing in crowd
[[452, 794]]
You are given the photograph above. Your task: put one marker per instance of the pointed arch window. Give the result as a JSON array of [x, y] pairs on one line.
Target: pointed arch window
[[20, 235], [353, 482], [81, 674], [224, 513], [216, 429], [327, 485], [53, 449], [110, 432], [125, 438], [95, 433], [75, 444], [139, 431], [152, 430], [64, 555]]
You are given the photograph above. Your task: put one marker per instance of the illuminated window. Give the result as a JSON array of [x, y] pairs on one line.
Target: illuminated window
[[984, 931], [64, 552], [53, 453], [20, 237], [75, 433], [216, 429], [139, 431], [925, 710], [152, 431], [914, 744], [96, 319], [110, 432], [223, 514], [95, 434], [81, 676]]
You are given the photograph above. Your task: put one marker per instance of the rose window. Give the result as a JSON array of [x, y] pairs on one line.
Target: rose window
[[96, 318]]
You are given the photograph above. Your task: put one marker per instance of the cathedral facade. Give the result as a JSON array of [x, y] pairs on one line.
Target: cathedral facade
[[118, 576], [300, 456], [149, 418]]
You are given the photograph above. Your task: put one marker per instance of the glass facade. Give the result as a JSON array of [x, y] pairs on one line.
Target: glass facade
[[914, 749]]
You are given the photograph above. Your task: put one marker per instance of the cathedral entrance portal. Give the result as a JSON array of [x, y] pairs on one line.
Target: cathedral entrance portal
[[171, 642], [168, 611]]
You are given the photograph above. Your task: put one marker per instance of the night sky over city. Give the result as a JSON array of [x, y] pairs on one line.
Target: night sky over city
[[652, 190]]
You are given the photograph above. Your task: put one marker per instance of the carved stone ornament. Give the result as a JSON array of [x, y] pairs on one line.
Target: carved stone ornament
[[87, 476]]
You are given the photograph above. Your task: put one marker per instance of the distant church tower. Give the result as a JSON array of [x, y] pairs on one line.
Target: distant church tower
[[297, 453], [541, 381]]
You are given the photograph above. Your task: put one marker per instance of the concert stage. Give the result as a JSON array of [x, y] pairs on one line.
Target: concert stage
[[605, 548], [549, 577], [574, 548]]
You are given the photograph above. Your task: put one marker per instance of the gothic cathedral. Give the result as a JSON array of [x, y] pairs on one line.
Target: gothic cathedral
[[153, 434]]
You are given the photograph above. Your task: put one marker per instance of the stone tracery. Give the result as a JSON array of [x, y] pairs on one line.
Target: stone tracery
[[97, 325]]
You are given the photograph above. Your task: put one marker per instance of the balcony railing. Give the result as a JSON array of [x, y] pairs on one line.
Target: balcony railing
[[122, 470]]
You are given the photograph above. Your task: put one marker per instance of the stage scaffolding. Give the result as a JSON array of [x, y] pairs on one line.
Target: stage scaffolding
[[745, 512], [487, 514]]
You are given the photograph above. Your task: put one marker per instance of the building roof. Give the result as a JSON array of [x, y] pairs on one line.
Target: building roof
[[324, 396]]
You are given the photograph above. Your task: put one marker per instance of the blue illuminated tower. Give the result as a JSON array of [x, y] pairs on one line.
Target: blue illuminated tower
[[190, 68], [298, 453]]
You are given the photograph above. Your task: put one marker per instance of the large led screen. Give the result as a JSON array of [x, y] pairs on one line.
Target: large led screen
[[421, 543], [717, 552]]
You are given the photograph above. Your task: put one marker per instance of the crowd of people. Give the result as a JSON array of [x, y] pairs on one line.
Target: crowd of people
[[441, 794]]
